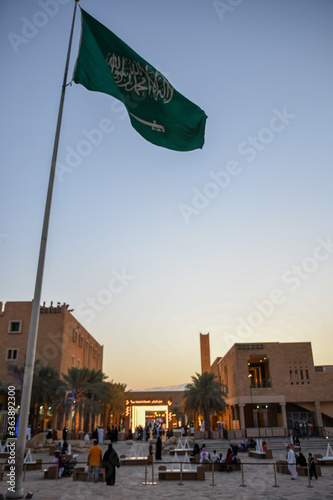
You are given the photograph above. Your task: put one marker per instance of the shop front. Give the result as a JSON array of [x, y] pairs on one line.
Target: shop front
[[151, 408]]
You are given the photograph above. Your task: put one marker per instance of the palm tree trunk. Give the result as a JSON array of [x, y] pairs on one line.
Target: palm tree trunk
[[76, 422], [207, 422]]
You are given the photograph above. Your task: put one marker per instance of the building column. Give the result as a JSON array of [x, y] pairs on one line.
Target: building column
[[284, 417], [242, 418]]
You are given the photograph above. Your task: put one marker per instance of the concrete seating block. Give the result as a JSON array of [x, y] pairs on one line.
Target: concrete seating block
[[51, 472], [166, 475], [263, 456], [82, 475], [282, 467]]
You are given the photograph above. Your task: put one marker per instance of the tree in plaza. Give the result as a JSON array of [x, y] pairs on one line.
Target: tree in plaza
[[116, 401], [44, 386], [17, 373], [100, 391], [83, 390], [204, 395]]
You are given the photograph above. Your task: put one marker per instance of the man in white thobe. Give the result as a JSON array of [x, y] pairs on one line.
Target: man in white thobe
[[100, 433], [291, 459]]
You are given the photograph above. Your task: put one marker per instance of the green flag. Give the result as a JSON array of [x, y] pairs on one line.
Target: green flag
[[157, 111]]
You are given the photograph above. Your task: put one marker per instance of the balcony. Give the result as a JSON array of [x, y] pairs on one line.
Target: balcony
[[260, 383]]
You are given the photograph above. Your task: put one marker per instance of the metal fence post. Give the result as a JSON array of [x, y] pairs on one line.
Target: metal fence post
[[152, 473], [275, 485], [242, 485], [181, 473], [145, 481], [308, 471], [213, 484]]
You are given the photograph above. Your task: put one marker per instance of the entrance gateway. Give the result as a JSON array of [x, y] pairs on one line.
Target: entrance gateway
[[143, 411]]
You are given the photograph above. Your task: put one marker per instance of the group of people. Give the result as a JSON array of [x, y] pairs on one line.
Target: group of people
[[150, 430], [65, 465], [188, 430], [111, 434], [294, 459], [224, 463]]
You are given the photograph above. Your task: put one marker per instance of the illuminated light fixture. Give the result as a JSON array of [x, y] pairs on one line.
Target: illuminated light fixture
[[266, 406], [257, 406], [250, 375]]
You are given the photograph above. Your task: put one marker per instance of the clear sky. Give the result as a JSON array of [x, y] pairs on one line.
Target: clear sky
[[149, 246]]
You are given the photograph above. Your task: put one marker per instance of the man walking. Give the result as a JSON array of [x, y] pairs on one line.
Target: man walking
[[94, 461], [100, 433], [291, 459]]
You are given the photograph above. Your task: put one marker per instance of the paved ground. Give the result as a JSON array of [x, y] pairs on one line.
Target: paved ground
[[258, 480]]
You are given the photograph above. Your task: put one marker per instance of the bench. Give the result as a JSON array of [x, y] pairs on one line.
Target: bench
[[282, 467], [263, 455], [208, 466], [182, 452], [81, 474], [195, 459], [168, 475], [319, 459], [51, 472], [136, 461]]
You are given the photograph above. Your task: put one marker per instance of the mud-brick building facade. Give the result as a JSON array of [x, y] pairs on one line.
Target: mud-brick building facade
[[62, 342], [272, 386]]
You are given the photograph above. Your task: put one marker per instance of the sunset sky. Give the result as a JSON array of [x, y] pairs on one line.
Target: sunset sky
[[149, 246]]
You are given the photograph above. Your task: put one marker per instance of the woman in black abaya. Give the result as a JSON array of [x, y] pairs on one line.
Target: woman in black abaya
[[110, 462]]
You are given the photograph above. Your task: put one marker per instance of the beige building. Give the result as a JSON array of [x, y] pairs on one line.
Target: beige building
[[272, 386], [62, 341]]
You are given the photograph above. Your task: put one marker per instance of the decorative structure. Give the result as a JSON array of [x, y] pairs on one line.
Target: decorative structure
[[136, 452], [136, 456], [328, 458], [259, 446], [181, 471], [182, 447], [258, 452], [4, 451]]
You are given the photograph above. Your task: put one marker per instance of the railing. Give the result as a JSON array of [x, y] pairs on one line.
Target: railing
[[256, 383]]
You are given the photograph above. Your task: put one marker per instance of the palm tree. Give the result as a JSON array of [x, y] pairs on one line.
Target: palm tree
[[204, 395], [45, 382], [83, 390], [44, 385], [100, 391], [116, 400], [17, 373]]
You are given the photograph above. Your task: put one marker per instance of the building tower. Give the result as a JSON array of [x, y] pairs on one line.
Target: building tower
[[205, 353]]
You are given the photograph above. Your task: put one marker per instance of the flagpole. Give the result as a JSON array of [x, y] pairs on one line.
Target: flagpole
[[16, 491]]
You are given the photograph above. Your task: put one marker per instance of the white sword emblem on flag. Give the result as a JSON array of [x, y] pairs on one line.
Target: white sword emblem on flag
[[153, 125]]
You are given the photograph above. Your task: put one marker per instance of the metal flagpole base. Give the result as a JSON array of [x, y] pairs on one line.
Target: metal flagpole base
[[15, 494]]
